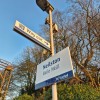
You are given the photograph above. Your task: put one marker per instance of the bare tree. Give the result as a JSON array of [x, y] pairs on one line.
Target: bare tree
[[79, 28]]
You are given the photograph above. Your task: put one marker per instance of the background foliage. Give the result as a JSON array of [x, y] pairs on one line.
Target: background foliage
[[67, 92], [75, 92], [79, 28], [24, 97]]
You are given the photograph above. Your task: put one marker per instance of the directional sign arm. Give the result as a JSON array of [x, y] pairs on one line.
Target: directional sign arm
[[26, 32]]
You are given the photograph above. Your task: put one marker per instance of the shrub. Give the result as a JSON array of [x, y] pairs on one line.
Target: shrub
[[24, 97], [75, 92]]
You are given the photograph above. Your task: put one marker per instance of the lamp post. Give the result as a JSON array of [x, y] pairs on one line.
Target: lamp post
[[46, 6]]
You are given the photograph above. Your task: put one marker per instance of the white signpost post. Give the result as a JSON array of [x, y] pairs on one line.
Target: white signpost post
[[54, 69], [26, 32]]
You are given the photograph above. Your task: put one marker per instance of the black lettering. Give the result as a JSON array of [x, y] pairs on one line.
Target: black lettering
[[46, 43], [39, 38], [29, 31], [33, 34], [48, 64], [22, 27], [51, 63], [58, 59], [44, 66], [55, 67], [46, 72]]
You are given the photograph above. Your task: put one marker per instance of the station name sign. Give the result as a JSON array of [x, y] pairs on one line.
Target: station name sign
[[26, 32], [54, 69]]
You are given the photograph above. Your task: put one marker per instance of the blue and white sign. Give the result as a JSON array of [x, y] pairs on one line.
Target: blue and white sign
[[54, 69]]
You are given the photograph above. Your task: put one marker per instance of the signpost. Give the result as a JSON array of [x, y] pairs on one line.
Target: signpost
[[26, 32], [54, 69]]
